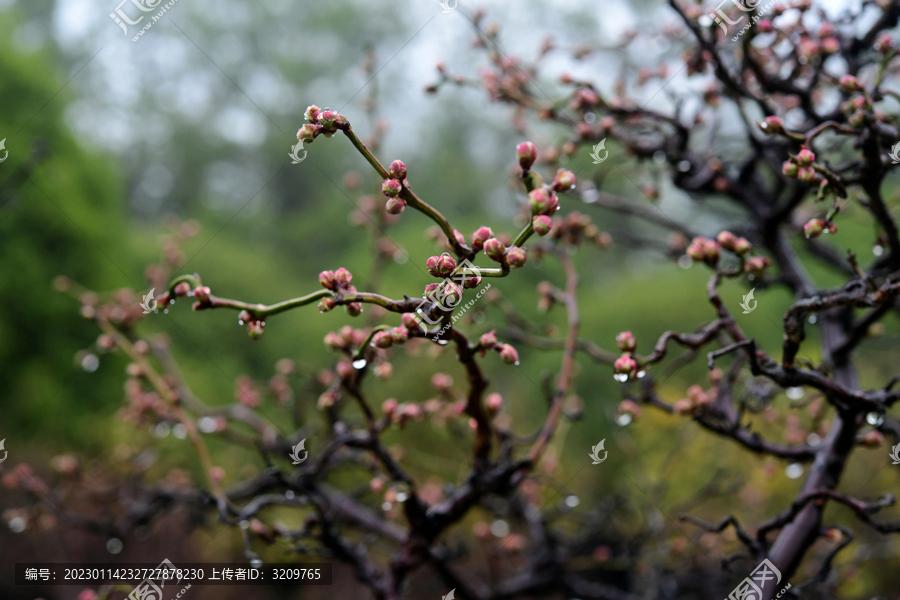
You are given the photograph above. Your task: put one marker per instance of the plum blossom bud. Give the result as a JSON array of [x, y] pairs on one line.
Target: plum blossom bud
[[440, 266], [814, 228], [884, 43], [384, 371], [441, 382], [182, 289], [508, 354], [727, 240], [382, 339], [542, 202], [307, 133], [488, 340], [255, 329], [807, 175], [805, 157], [857, 119], [395, 206], [388, 407], [201, 295], [431, 287], [849, 84], [397, 170], [695, 251], [629, 407], [312, 113], [472, 281], [872, 439], [515, 257], [756, 266], [765, 26], [333, 340], [626, 342], [327, 399], [772, 124], [831, 45], [354, 309], [343, 278], [789, 169], [399, 334], [328, 280], [493, 403], [391, 187], [344, 370], [216, 474], [409, 321], [742, 246], [542, 224], [452, 293], [527, 154], [495, 249], [330, 120], [481, 235], [625, 365], [564, 180]]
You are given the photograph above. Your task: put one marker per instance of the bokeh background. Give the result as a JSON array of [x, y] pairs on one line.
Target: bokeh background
[[111, 142]]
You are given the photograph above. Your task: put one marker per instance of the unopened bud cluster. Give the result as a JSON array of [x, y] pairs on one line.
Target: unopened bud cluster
[[508, 354], [338, 282], [801, 167], [320, 122], [392, 187], [708, 251]]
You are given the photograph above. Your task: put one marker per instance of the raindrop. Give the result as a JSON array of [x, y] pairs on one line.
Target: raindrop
[[360, 363], [659, 157], [256, 563], [289, 494], [241, 321], [623, 419], [812, 319], [684, 166], [590, 196], [589, 117], [161, 430], [685, 261], [704, 21], [401, 497], [572, 501], [90, 362], [165, 311], [794, 393], [400, 257], [17, 524], [621, 377], [813, 439], [874, 419], [500, 528], [794, 470], [641, 374], [443, 342], [207, 424], [386, 506], [877, 249], [114, 545], [245, 524], [479, 317], [517, 363], [179, 431]]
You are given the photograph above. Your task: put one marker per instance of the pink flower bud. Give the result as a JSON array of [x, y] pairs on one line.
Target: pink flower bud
[[884, 43], [182, 289], [695, 251], [244, 316], [515, 257], [727, 240], [441, 382], [564, 180], [409, 321], [807, 175], [481, 235], [626, 342], [789, 169], [307, 133], [328, 280], [872, 439], [330, 121], [354, 309], [312, 113], [805, 157], [397, 170], [765, 26], [201, 295], [452, 293], [333, 340], [391, 187], [328, 399], [440, 266], [472, 281], [431, 287], [382, 339], [742, 246], [493, 403], [395, 205], [527, 154], [542, 224], [508, 354], [494, 248], [399, 335], [216, 474], [255, 329], [859, 102], [849, 84], [388, 407], [773, 125], [857, 119], [343, 278], [816, 227], [757, 265], [831, 45], [488, 340], [625, 365], [542, 202], [344, 370], [87, 595]]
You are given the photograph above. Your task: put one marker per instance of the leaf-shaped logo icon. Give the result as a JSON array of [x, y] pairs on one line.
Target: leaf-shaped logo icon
[[5, 453], [149, 304], [895, 153], [895, 454], [449, 596], [595, 452], [295, 150], [601, 145], [295, 452], [748, 298], [3, 147]]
